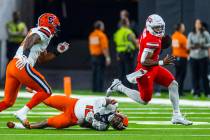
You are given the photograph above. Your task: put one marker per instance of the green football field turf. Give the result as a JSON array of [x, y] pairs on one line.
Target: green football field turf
[[149, 122]]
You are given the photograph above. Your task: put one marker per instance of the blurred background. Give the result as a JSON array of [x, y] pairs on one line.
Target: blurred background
[[77, 19]]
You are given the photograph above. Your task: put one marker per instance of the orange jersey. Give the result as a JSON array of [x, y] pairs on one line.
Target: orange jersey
[[97, 42], [179, 45]]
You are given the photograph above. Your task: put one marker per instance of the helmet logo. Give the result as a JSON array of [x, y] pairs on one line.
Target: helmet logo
[[50, 19], [149, 19]]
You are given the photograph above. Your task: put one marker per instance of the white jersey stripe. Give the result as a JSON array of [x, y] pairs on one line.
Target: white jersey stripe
[[152, 44]]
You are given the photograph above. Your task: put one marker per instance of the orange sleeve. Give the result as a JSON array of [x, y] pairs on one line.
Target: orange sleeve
[[104, 41]]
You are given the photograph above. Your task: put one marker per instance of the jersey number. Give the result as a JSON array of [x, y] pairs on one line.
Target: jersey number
[[88, 108]]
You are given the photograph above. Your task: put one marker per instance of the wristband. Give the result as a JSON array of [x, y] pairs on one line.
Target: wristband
[[160, 63]]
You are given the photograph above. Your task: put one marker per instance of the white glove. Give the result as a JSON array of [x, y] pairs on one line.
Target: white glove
[[21, 62], [89, 117], [100, 126], [62, 47]]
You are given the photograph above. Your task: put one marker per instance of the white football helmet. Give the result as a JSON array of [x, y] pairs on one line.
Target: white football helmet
[[155, 25]]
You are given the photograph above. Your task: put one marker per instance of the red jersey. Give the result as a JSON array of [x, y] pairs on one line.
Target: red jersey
[[149, 41]]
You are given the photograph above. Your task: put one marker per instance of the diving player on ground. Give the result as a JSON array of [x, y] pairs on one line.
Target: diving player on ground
[[149, 70], [20, 70], [95, 113]]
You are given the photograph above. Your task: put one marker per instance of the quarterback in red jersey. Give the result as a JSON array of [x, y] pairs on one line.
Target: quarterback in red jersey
[[149, 70]]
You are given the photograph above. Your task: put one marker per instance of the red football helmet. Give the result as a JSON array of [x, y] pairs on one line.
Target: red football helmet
[[50, 21]]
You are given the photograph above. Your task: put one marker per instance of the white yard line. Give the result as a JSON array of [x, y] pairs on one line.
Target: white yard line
[[81, 135], [33, 113], [152, 108], [46, 108], [203, 117], [11, 117], [130, 117], [166, 113], [126, 99], [130, 128], [128, 113], [164, 122]]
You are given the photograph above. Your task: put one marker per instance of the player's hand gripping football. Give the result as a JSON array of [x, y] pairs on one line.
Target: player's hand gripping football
[[169, 60], [21, 62], [62, 47]]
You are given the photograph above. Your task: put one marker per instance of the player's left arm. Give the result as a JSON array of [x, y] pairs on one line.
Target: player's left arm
[[146, 59], [39, 125], [47, 56]]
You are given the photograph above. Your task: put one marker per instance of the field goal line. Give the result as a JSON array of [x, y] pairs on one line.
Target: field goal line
[[76, 134]]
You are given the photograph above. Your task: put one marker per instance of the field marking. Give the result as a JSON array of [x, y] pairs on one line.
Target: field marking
[[9, 117], [159, 123], [151, 128], [152, 108], [143, 118], [164, 123], [133, 108], [128, 113], [130, 117], [205, 117], [33, 113], [128, 100], [200, 113], [76, 134]]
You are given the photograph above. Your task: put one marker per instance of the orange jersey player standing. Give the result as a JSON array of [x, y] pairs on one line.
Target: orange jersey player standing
[[20, 70], [95, 113]]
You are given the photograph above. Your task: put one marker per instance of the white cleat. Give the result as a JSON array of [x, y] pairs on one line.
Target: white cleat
[[113, 87], [178, 119], [22, 118]]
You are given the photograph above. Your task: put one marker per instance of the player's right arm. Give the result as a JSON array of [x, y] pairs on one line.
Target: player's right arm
[[30, 41], [146, 59], [38, 125]]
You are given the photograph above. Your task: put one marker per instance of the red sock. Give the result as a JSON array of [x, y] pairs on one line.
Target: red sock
[[37, 98], [3, 105]]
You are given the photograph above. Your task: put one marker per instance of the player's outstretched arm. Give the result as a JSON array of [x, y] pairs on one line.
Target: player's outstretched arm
[[39, 125], [48, 56]]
